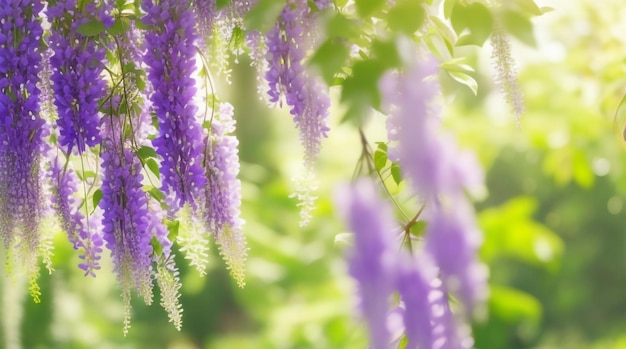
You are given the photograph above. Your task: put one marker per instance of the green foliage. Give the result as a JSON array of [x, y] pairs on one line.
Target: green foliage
[[91, 28], [367, 8], [476, 18], [406, 16], [518, 24], [263, 15], [510, 231]]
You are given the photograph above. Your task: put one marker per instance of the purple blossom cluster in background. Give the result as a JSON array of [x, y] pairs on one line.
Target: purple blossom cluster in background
[[381, 268], [287, 45], [446, 263], [440, 173]]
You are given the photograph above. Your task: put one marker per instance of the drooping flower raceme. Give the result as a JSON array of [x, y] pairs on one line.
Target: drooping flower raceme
[[20, 128], [170, 57], [287, 44], [125, 228], [223, 192], [221, 32], [440, 174], [77, 65], [380, 266], [205, 15], [505, 72], [133, 224], [293, 35], [82, 230], [372, 262]]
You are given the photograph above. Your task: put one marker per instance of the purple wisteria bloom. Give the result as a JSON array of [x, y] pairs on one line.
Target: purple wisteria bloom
[[453, 238], [428, 156], [223, 192], [82, 230], [440, 174], [133, 225], [205, 15], [381, 267], [170, 57], [287, 45], [20, 124], [126, 229], [77, 65], [415, 280], [373, 263]]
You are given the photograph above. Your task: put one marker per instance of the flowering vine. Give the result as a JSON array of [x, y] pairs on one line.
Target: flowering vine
[[287, 44], [101, 115], [22, 211]]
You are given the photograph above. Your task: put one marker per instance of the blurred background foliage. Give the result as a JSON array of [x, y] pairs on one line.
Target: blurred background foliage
[[553, 216]]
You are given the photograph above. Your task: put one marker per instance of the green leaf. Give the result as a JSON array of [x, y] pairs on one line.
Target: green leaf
[[439, 47], [380, 156], [238, 38], [155, 193], [337, 82], [146, 152], [406, 16], [527, 6], [330, 58], [141, 25], [448, 7], [465, 80], [386, 52], [91, 28], [153, 166], [82, 175], [97, 196], [520, 26], [365, 8], [360, 90], [118, 27], [172, 227], [442, 28], [156, 246], [456, 64], [475, 17], [220, 4], [396, 173], [263, 16], [342, 27], [403, 342], [418, 229]]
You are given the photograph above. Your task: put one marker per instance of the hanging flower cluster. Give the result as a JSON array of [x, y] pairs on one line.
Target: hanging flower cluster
[[440, 174], [82, 94], [287, 45], [381, 269], [21, 134], [446, 262]]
